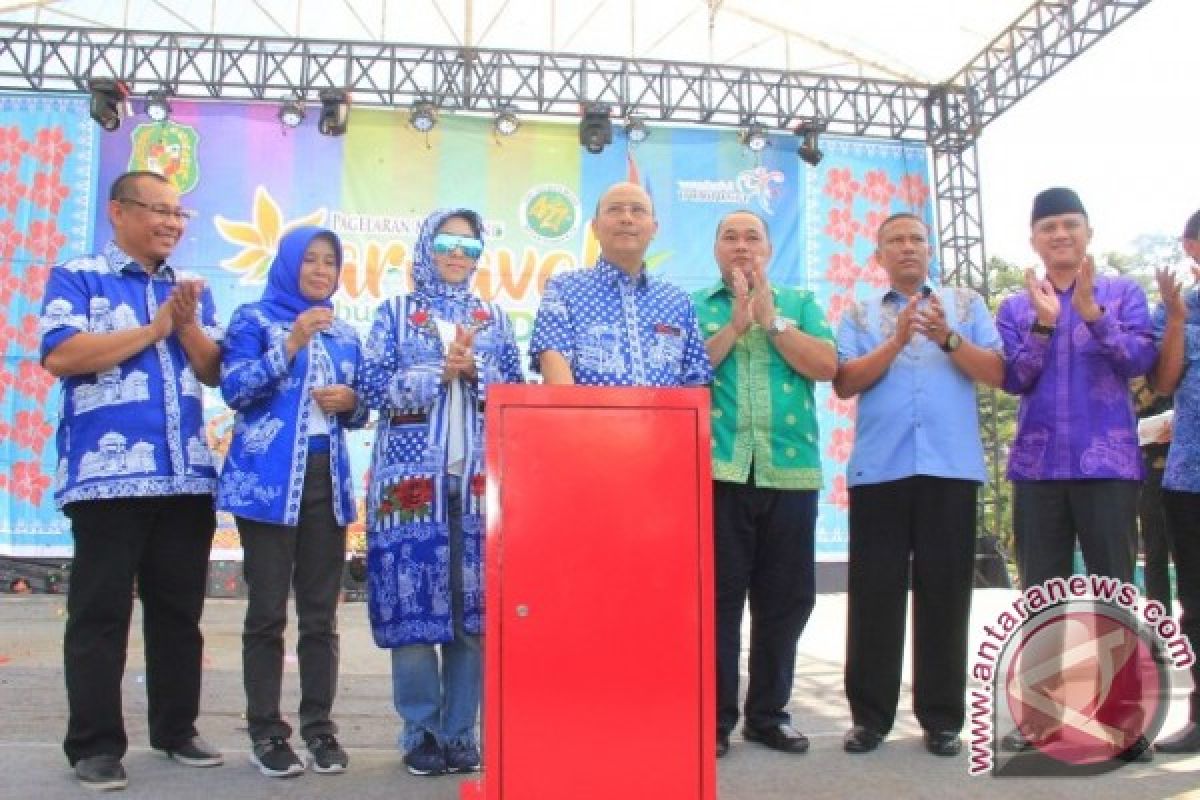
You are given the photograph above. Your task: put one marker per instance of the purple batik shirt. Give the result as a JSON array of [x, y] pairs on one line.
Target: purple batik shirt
[[1076, 420]]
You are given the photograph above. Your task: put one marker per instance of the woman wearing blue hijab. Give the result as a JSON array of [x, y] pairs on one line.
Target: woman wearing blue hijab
[[287, 369], [429, 359]]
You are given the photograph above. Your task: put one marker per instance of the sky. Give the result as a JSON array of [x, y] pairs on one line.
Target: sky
[[1120, 125]]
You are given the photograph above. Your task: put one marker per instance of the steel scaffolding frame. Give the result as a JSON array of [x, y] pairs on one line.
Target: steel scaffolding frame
[[948, 117]]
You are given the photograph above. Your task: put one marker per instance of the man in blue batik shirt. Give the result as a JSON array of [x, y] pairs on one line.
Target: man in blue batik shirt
[[614, 325], [1177, 326], [132, 340]]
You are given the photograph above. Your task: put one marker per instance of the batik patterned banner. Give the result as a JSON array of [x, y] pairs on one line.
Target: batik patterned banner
[[46, 191], [251, 181]]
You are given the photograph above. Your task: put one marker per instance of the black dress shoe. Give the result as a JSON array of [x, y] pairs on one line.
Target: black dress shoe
[[783, 738], [943, 743], [722, 745], [1186, 741], [1140, 752], [861, 740]]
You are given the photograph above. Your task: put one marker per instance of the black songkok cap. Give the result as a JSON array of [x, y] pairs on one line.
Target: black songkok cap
[[1056, 201], [1192, 229]]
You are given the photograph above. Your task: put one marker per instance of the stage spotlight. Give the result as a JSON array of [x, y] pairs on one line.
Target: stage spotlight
[[423, 117], [158, 105], [335, 112], [291, 113], [595, 129], [753, 136], [635, 129], [810, 150], [108, 97], [506, 122]]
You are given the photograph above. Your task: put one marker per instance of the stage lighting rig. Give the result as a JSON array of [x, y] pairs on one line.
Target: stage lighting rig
[[108, 101], [595, 129], [335, 112]]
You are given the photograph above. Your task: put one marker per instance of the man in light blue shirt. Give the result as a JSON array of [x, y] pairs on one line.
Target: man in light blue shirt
[[912, 354]]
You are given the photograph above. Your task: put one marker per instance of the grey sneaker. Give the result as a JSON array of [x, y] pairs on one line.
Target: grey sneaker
[[196, 752], [462, 757], [275, 758], [426, 758], [327, 756], [103, 773]]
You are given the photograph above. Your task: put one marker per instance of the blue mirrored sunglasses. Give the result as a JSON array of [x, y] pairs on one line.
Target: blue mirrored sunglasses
[[446, 243]]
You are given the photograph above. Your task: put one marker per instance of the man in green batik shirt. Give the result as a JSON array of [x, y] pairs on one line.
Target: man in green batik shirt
[[767, 345]]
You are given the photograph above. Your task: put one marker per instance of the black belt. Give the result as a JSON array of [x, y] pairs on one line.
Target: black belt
[[416, 418]]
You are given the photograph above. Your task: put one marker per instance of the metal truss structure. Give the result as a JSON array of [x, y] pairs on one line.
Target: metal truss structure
[[948, 117]]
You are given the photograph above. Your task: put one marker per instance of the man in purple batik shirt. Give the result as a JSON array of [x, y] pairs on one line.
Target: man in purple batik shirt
[[1072, 342]]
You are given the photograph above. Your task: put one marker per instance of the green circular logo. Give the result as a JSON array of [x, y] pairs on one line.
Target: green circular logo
[[550, 212]]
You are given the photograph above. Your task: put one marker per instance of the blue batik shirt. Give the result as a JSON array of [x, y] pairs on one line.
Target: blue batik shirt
[[1182, 473], [136, 430], [617, 330]]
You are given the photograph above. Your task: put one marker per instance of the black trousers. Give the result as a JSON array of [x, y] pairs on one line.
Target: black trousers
[[1152, 524], [1050, 516], [1183, 522], [163, 544], [923, 526], [310, 557], [764, 552]]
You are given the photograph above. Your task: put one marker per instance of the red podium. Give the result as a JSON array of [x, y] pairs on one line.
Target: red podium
[[599, 665]]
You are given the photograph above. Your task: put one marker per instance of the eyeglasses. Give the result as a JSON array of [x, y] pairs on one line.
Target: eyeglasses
[[163, 210], [446, 243]]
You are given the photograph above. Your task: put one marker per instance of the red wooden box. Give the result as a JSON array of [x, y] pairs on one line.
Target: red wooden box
[[599, 665]]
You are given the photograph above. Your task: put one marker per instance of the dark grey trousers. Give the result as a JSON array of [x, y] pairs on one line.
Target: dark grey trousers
[[309, 557]]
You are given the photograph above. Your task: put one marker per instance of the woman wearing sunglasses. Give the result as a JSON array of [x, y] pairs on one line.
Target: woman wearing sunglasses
[[429, 358]]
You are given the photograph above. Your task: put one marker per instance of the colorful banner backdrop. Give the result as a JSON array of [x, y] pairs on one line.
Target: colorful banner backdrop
[[251, 180]]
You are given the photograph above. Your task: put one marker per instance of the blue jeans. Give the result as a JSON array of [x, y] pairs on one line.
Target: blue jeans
[[437, 692]]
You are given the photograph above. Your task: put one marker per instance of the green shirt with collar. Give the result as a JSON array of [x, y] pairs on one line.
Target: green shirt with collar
[[763, 411]]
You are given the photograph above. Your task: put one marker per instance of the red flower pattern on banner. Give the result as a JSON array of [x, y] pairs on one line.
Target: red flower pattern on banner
[[842, 226], [32, 430], [12, 191], [871, 223], [52, 147], [28, 482], [33, 282], [874, 273], [840, 185], [842, 270], [48, 191], [5, 430], [12, 146], [27, 335], [10, 239], [838, 304], [9, 285], [914, 191], [878, 189], [843, 407], [838, 494], [33, 381], [6, 380], [44, 240], [841, 440]]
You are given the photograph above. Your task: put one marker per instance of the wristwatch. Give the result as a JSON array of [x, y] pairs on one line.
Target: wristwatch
[[778, 326], [952, 343], [1043, 330]]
